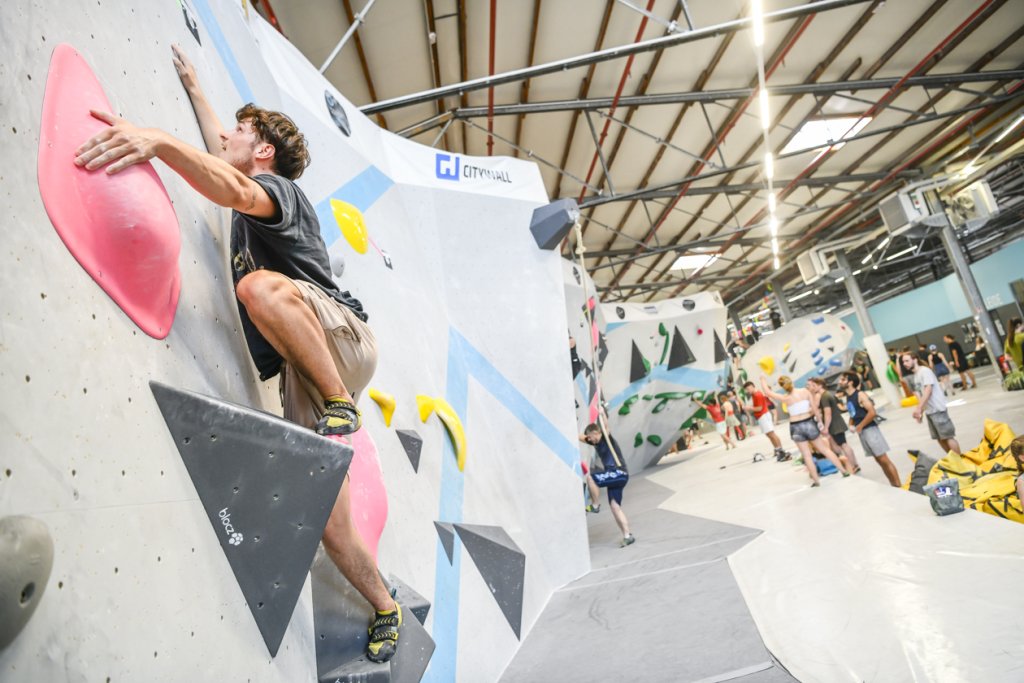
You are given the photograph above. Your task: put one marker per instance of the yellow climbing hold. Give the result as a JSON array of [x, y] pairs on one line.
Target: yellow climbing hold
[[767, 364], [386, 403], [352, 225], [785, 347], [451, 421]]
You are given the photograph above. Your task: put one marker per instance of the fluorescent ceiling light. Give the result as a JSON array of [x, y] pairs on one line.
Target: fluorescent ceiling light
[[763, 99], [819, 132], [775, 263], [694, 261], [840, 278], [775, 246], [771, 202], [882, 243], [773, 226], [865, 259], [800, 296], [769, 166], [1011, 127], [856, 272], [900, 253]]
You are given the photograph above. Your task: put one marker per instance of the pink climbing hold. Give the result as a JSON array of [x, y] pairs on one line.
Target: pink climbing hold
[[368, 499], [120, 228]]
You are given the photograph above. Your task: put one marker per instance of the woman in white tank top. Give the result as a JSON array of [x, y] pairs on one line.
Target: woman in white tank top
[[802, 426]]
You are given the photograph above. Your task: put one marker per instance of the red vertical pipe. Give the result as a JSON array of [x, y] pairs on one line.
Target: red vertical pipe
[[490, 91]]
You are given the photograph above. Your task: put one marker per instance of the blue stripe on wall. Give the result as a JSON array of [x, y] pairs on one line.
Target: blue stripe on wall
[[464, 360], [361, 192], [224, 50], [690, 377]]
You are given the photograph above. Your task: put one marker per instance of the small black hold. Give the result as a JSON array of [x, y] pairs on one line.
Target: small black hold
[[42, 295], [28, 378], [27, 592]]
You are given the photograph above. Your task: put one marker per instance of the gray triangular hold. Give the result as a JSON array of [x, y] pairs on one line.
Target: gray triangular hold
[[268, 487], [637, 365], [720, 354], [340, 618], [679, 353], [446, 533], [410, 599], [413, 444], [502, 565]]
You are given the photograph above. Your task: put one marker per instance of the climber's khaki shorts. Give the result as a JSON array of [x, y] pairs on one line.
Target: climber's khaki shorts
[[352, 346]]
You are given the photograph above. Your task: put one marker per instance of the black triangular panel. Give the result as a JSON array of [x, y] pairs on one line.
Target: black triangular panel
[[720, 354], [446, 532], [680, 353], [267, 486], [502, 565], [637, 366], [413, 444]]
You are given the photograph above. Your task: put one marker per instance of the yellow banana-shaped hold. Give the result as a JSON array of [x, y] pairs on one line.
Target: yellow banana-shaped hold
[[451, 421], [386, 403], [767, 364]]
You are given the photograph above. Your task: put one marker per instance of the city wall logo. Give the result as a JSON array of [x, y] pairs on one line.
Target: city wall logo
[[234, 537], [448, 166]]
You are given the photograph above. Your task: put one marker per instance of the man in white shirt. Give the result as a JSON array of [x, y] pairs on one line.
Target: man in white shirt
[[931, 403]]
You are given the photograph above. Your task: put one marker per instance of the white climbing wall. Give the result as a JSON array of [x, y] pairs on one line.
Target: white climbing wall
[[659, 356], [470, 310], [812, 346]]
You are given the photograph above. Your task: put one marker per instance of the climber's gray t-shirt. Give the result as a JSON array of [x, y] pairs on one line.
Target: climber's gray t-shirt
[[288, 243]]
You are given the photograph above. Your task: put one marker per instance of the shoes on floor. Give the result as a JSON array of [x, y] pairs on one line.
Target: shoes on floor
[[815, 484], [628, 540], [594, 508], [339, 418], [384, 635]]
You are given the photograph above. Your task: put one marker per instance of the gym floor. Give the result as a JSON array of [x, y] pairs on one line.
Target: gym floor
[[742, 572]]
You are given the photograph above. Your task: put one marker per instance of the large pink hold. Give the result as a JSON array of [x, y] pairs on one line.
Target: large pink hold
[[120, 228], [368, 499]]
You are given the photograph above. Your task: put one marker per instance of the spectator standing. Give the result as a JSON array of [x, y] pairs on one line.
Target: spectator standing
[[862, 419], [937, 362], [759, 407], [958, 360], [832, 420], [931, 404], [802, 427], [731, 408], [1014, 344], [714, 410]]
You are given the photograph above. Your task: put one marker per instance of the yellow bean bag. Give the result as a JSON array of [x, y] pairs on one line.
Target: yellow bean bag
[[986, 474]]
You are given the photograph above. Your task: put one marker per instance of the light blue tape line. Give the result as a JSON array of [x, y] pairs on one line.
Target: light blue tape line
[[690, 377], [446, 577], [224, 50], [464, 360], [361, 192], [612, 326], [517, 404]]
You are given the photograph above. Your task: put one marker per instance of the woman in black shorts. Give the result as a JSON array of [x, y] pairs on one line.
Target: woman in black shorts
[[802, 426]]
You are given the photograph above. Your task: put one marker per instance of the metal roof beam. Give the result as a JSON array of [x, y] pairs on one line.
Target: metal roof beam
[[825, 88], [607, 54]]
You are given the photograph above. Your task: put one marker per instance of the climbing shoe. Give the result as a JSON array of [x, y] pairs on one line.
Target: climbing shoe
[[340, 418], [384, 635], [594, 508], [628, 540]]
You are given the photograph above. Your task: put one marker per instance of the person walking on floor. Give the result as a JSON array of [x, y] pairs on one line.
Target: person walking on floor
[[832, 422], [611, 458], [931, 404], [732, 420], [862, 414], [802, 427], [959, 362]]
